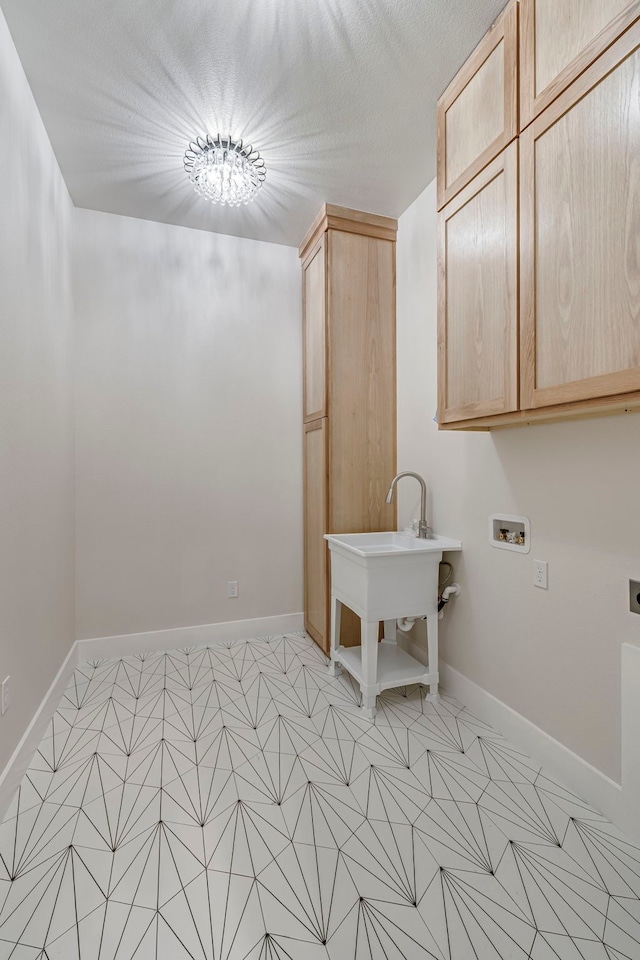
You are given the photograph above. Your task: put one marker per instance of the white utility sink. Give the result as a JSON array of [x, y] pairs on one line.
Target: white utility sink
[[382, 577]]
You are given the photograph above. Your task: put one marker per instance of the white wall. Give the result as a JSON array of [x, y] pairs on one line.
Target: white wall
[[36, 419], [189, 440], [553, 656]]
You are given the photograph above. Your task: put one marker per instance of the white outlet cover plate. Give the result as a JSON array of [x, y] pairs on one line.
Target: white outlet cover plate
[[541, 574]]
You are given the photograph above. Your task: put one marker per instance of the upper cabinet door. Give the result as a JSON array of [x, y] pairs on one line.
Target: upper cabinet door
[[580, 239], [315, 324], [478, 112], [559, 39], [478, 296]]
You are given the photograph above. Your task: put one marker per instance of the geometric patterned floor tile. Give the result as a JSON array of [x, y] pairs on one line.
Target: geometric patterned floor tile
[[231, 803]]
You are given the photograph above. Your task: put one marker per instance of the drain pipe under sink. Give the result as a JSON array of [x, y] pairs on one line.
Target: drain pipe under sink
[[406, 623]]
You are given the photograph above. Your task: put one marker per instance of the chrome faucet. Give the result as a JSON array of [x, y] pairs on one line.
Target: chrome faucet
[[422, 526]]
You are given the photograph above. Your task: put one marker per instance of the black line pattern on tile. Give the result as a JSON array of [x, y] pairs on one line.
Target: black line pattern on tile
[[231, 803]]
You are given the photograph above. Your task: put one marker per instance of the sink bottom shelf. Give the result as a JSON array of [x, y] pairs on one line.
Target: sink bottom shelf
[[396, 667]]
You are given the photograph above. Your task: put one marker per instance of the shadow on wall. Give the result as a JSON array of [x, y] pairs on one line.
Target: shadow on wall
[[578, 478]]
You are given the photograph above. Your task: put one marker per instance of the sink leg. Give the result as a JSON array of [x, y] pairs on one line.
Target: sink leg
[[432, 645], [336, 615], [389, 631], [369, 685], [369, 706]]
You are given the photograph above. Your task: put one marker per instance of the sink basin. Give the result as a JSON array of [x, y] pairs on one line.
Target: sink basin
[[390, 543], [388, 572]]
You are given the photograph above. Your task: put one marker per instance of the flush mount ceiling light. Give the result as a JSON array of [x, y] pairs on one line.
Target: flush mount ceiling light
[[224, 170]]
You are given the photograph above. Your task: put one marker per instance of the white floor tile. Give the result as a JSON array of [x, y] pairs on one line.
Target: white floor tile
[[231, 803]]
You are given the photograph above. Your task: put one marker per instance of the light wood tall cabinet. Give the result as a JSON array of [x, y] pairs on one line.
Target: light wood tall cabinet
[[539, 287], [348, 263]]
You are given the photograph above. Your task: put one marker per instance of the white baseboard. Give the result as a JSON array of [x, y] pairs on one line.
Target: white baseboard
[[127, 645], [23, 754], [620, 803]]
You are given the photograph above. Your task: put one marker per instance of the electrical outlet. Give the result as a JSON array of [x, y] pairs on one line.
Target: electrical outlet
[[232, 589], [541, 574], [5, 695], [634, 596]]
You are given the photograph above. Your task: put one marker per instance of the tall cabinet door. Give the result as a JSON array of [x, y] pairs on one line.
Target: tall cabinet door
[[315, 347], [316, 560], [559, 39], [362, 381], [478, 296], [580, 208]]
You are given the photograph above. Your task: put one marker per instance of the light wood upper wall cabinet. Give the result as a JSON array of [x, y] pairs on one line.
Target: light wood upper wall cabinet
[[580, 243], [478, 112], [559, 39], [564, 244], [478, 294], [348, 263]]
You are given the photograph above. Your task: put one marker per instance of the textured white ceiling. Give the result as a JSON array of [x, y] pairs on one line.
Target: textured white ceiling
[[338, 95]]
